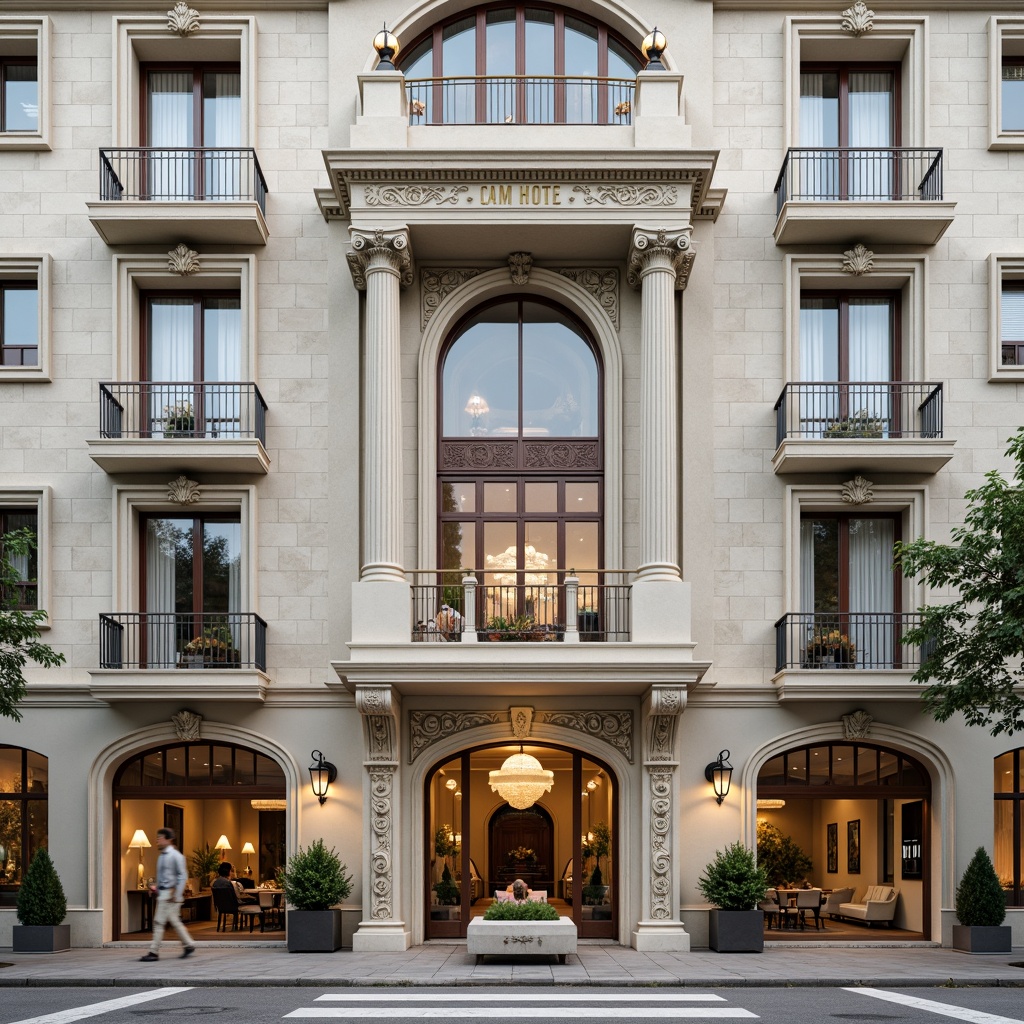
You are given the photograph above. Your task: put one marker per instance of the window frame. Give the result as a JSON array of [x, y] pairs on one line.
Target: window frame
[[23, 39], [1014, 796], [1003, 269], [30, 581], [25, 796], [198, 69], [7, 285], [39, 500], [30, 271], [843, 70], [1006, 39]]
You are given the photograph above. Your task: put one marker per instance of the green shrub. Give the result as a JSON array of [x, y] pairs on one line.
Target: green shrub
[[593, 894], [205, 863], [525, 911], [979, 896], [447, 891], [41, 899], [781, 858], [316, 879], [733, 880]]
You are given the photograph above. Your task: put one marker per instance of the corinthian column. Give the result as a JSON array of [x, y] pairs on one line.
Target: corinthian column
[[381, 262], [659, 261]]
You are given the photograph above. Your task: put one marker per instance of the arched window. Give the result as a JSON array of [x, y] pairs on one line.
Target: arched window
[[520, 497], [520, 64], [24, 790], [1008, 845]]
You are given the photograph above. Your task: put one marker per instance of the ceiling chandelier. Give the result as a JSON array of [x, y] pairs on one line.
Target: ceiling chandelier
[[268, 805], [522, 780]]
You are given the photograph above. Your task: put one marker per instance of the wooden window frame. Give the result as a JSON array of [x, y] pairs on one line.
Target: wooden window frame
[[23, 587]]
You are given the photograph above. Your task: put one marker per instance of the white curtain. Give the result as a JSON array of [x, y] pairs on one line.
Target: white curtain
[[222, 126], [171, 360], [871, 360], [170, 175], [871, 591], [871, 124], [819, 362], [1011, 316], [816, 176], [222, 371], [160, 593], [807, 566]]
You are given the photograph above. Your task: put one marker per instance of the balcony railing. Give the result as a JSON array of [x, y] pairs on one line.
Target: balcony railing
[[199, 640], [862, 174], [520, 99], [444, 610], [846, 640], [181, 173], [852, 410], [182, 409]]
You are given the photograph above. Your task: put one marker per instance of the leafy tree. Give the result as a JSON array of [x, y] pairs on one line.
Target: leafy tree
[[781, 858], [19, 629], [980, 899], [972, 647], [41, 899]]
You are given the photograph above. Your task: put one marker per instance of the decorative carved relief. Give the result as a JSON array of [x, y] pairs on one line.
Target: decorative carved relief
[[561, 455], [859, 260], [649, 245], [660, 794], [183, 491], [437, 282], [857, 491], [662, 708], [628, 195], [522, 719], [182, 260], [182, 19], [381, 843], [427, 727], [478, 455], [519, 264], [858, 20], [613, 727], [602, 284], [380, 248], [186, 724], [857, 725], [379, 706], [413, 195]]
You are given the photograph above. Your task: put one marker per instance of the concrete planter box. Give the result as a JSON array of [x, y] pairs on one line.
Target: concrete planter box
[[982, 938], [521, 938], [41, 938], [314, 931], [736, 931]]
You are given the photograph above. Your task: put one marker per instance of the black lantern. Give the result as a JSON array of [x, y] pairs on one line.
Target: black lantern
[[719, 774], [321, 774], [652, 48], [387, 46]]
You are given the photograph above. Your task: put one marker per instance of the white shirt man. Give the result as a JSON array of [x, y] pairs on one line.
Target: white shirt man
[[171, 876]]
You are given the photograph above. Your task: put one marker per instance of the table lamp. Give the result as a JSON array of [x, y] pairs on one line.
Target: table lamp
[[248, 849], [222, 844], [140, 842]]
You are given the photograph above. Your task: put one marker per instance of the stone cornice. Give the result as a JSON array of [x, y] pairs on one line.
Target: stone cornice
[[879, 6]]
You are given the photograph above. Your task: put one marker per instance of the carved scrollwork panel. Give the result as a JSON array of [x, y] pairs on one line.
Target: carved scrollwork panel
[[438, 282], [613, 727], [561, 455], [628, 195], [428, 727], [660, 794], [381, 843], [478, 455], [602, 284], [413, 195]]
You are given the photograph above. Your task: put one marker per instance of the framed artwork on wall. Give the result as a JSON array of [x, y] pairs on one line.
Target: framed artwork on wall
[[174, 818], [832, 847], [912, 820], [853, 847]]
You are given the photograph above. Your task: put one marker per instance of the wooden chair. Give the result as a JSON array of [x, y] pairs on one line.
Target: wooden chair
[[808, 900], [270, 910], [226, 902], [770, 906]]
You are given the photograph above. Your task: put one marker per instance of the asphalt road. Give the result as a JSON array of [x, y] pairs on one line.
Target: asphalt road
[[513, 1004]]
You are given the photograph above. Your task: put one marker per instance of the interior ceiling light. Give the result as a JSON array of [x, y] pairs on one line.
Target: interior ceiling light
[[770, 805], [522, 780], [268, 805]]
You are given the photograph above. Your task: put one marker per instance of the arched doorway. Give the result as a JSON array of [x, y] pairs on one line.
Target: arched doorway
[[475, 844]]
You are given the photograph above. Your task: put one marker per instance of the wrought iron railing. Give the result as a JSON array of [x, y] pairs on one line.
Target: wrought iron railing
[[520, 99], [163, 640], [861, 173], [852, 410], [182, 173], [182, 409], [847, 640], [445, 609]]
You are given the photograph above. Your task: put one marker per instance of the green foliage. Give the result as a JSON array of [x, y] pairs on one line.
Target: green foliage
[[444, 842], [41, 899], [733, 880], [597, 845], [972, 647], [781, 859], [316, 879], [446, 890], [205, 863], [979, 896], [528, 910], [860, 424], [521, 627], [19, 629], [593, 894]]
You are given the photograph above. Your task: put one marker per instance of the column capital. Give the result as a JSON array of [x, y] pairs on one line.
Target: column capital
[[660, 248], [386, 249]]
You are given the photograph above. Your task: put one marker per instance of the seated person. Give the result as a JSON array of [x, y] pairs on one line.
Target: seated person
[[226, 876], [449, 622]]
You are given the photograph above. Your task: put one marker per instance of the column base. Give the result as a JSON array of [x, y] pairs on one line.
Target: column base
[[661, 937], [380, 612], [660, 611], [382, 937]]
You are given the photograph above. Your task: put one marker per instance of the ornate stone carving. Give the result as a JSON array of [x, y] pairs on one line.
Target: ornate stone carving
[[662, 707], [427, 727], [186, 724], [522, 719], [182, 260], [413, 195], [857, 725], [660, 795], [381, 246], [858, 20], [381, 843], [561, 455], [859, 260], [857, 491], [628, 195], [478, 455], [183, 491], [602, 284], [613, 727], [379, 706], [437, 282], [519, 264], [182, 19], [649, 245]]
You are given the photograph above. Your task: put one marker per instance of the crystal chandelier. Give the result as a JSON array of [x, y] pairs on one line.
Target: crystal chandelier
[[522, 780]]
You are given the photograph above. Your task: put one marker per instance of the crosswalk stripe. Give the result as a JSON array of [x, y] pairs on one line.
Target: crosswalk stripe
[[518, 1011], [95, 1009], [931, 1006], [522, 997]]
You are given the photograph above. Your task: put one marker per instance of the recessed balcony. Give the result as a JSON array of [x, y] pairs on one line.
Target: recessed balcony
[[872, 195], [879, 427], [198, 426], [166, 195]]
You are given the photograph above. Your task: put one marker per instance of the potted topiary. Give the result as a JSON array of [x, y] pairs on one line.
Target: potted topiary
[[42, 907], [735, 884], [314, 883], [980, 908], [205, 863]]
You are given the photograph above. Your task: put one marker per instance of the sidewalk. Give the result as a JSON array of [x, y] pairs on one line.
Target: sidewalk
[[442, 964]]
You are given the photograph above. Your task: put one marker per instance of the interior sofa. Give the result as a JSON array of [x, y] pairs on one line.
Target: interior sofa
[[835, 899], [879, 904]]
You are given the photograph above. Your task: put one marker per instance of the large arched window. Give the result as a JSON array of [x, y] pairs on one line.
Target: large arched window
[[1008, 846], [521, 64], [24, 789], [520, 497]]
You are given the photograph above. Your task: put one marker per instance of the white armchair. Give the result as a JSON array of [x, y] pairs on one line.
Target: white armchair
[[834, 900]]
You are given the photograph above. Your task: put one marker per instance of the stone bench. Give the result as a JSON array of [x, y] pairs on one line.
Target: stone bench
[[521, 938]]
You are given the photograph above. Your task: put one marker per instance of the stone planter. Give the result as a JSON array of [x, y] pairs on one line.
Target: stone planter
[[41, 938], [736, 931], [314, 931], [982, 938], [521, 938]]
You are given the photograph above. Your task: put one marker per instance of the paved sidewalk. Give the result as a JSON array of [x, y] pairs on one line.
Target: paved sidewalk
[[444, 964]]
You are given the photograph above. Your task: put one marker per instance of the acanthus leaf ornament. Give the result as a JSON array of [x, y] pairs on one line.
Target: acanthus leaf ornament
[[522, 719], [667, 247], [182, 19], [857, 491], [182, 260], [183, 491], [858, 20], [186, 724], [856, 725], [858, 261], [375, 249], [519, 264], [602, 283], [437, 282]]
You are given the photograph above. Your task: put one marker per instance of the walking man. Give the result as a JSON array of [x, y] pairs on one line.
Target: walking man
[[171, 876]]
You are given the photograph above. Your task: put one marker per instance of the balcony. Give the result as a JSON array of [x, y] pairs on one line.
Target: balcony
[[836, 655], [172, 656], [871, 195], [200, 426], [167, 195], [878, 427]]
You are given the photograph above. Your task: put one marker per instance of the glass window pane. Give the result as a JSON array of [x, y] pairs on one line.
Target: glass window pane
[[21, 316], [1003, 772], [458, 496], [540, 497], [168, 569], [500, 564], [245, 768], [170, 108], [1013, 96], [458, 547], [1011, 311], [10, 841], [819, 109], [870, 355], [824, 537], [222, 108], [153, 769], [199, 765], [819, 338], [21, 98], [581, 498], [819, 766], [221, 774], [842, 766], [268, 773], [501, 496], [581, 94], [176, 766], [501, 42], [871, 108], [796, 767], [888, 767], [10, 770], [222, 568], [540, 42], [1002, 841], [582, 554], [131, 775], [910, 774], [38, 829], [773, 772], [458, 54], [867, 766]]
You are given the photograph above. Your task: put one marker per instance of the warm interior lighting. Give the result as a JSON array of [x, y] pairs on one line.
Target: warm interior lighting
[[140, 842], [247, 849], [653, 47], [321, 774], [522, 780], [223, 845], [268, 805], [719, 774], [387, 46], [770, 805]]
